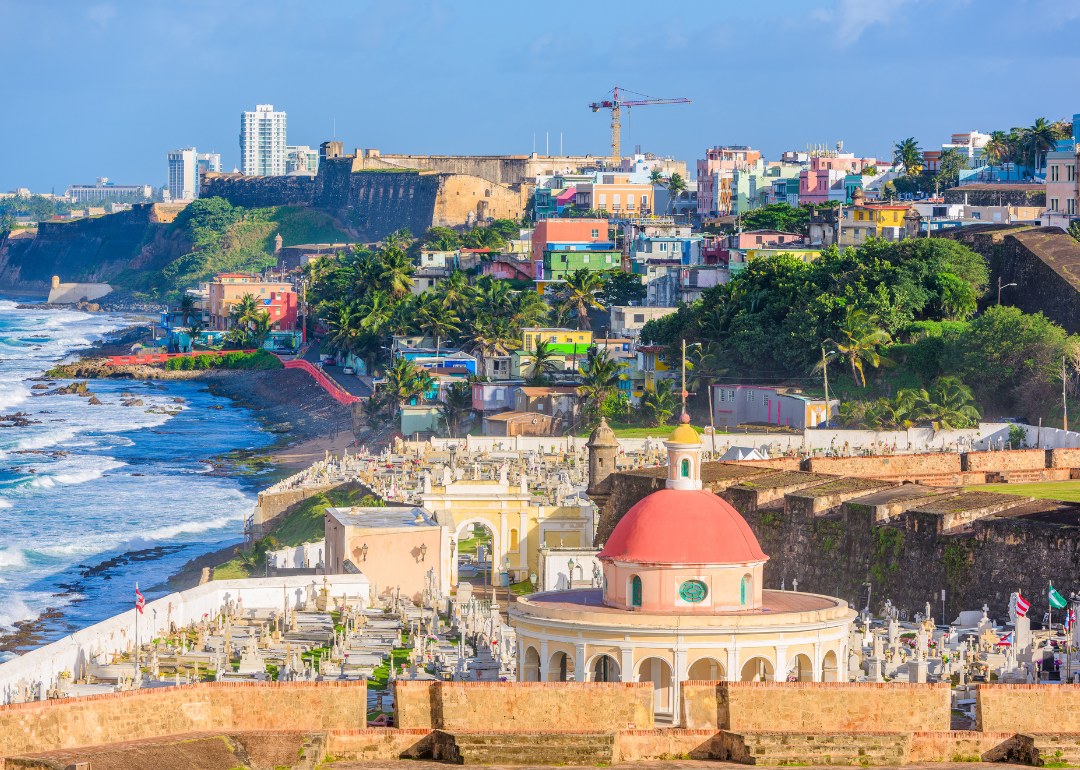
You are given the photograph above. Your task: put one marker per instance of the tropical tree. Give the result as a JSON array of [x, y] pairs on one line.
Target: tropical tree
[[456, 407], [705, 367], [859, 337], [675, 185], [345, 328], [656, 176], [621, 288], [493, 296], [909, 155], [403, 382], [527, 308], [997, 149], [1038, 140], [579, 293], [436, 320], [261, 327], [599, 377], [188, 306], [492, 336], [659, 403], [455, 293], [245, 311], [395, 271], [543, 363], [947, 406]]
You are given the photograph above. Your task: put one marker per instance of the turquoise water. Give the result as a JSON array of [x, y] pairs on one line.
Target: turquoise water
[[90, 485]]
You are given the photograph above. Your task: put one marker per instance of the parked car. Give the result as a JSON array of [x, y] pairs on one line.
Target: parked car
[[347, 370]]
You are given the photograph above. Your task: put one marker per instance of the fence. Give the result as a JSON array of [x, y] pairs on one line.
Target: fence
[[158, 358], [336, 391]]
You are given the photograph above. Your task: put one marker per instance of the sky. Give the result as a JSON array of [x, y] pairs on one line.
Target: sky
[[108, 87]]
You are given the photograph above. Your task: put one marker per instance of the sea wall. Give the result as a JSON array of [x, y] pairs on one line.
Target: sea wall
[[43, 665], [150, 713], [523, 706], [816, 707]]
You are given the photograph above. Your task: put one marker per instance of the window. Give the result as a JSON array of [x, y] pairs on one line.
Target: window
[[1053, 204], [757, 239], [513, 540], [1070, 206], [723, 394], [639, 318], [586, 259], [1070, 173], [749, 395], [731, 395], [616, 198], [746, 589], [684, 470], [644, 200], [595, 233], [1054, 173], [635, 591], [603, 199], [540, 406]]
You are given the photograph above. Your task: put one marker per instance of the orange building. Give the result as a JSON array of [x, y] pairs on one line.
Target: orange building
[[616, 194], [550, 233], [229, 288]]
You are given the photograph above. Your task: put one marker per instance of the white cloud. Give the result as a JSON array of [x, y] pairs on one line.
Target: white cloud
[[101, 13], [851, 18]]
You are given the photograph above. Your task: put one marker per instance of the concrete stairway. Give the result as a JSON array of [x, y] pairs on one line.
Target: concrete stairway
[[1042, 750], [531, 748], [782, 748]]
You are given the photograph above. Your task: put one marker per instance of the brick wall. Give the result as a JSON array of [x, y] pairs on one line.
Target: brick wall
[[960, 746], [523, 705], [1065, 458], [816, 707], [1027, 708], [667, 743], [1015, 460], [72, 722], [939, 462], [379, 743]]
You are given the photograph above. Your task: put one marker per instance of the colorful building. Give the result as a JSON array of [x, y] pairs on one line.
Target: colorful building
[[714, 174], [616, 194], [567, 342], [567, 260], [276, 299], [550, 234], [735, 405], [866, 220]]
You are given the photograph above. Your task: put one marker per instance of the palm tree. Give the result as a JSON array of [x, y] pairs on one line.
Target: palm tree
[[527, 308], [492, 336], [434, 319], [261, 327], [910, 156], [455, 292], [456, 406], [193, 329], [579, 292], [543, 364], [245, 311], [395, 272], [598, 377], [659, 403], [188, 305], [656, 176], [345, 328], [705, 368], [949, 405], [997, 149], [1038, 140], [675, 185], [399, 239], [860, 337], [402, 383], [493, 296]]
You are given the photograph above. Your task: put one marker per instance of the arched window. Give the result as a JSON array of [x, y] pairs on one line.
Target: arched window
[[513, 540], [635, 591], [746, 589], [685, 469]]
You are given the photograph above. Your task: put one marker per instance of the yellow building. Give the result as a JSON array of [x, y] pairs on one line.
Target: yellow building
[[862, 220], [561, 341], [518, 527]]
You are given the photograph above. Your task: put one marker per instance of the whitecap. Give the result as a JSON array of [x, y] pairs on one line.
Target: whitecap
[[11, 558]]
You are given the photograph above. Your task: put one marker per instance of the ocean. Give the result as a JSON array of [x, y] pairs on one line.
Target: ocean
[[94, 499]]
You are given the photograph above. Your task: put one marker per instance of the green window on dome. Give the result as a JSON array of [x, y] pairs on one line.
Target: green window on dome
[[686, 469], [635, 590], [693, 591]]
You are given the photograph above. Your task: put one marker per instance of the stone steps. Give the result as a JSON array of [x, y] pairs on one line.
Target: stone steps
[[1042, 750], [534, 748], [782, 748]]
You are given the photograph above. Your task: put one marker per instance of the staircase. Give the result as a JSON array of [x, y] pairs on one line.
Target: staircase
[[1044, 750], [534, 748], [782, 748]]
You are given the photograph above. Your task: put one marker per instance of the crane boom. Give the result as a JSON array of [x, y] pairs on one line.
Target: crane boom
[[615, 105]]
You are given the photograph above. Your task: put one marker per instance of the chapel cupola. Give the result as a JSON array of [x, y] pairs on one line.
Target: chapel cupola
[[684, 456]]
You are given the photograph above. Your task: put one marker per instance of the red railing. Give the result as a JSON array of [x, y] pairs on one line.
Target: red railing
[[157, 358], [328, 383]]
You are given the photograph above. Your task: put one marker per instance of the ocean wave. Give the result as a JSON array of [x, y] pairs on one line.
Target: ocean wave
[[13, 610], [187, 528], [76, 476], [12, 395], [5, 503], [11, 558]]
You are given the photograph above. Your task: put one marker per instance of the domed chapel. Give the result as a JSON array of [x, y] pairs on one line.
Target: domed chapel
[[682, 599]]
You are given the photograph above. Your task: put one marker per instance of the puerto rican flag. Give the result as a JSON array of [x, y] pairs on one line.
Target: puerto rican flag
[[140, 602], [1070, 619], [1022, 605], [1006, 641]]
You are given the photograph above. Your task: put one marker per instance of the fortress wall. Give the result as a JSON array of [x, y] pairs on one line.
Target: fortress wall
[[138, 714], [461, 195], [816, 707], [939, 462], [379, 204], [522, 706], [499, 169], [1026, 708], [259, 191]]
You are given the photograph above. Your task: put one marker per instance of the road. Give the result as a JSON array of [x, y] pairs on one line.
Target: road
[[349, 383]]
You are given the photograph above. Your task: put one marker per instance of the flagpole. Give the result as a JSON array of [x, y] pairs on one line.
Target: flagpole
[[136, 633]]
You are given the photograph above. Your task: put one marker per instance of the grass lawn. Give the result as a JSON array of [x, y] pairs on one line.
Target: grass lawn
[[1054, 490]]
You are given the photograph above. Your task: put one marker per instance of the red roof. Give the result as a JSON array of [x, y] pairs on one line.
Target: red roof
[[675, 526]]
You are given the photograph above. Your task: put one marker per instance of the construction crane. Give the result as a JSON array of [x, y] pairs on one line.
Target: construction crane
[[615, 104]]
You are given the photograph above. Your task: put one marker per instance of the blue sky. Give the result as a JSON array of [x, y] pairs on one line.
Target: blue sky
[[107, 87]]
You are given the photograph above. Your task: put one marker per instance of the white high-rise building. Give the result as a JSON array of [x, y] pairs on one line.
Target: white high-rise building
[[262, 142], [184, 174]]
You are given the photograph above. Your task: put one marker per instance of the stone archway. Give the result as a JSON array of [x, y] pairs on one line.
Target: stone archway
[[658, 671], [604, 668], [464, 531], [830, 671], [800, 669], [561, 667], [531, 665], [757, 669], [706, 670]]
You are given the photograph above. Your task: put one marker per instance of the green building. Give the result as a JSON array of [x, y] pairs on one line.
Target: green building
[[559, 264]]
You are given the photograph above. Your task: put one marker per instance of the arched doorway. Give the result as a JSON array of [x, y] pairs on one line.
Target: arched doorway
[[706, 670], [531, 665], [561, 668], [605, 669], [658, 671], [476, 538], [830, 672], [757, 670], [800, 669]]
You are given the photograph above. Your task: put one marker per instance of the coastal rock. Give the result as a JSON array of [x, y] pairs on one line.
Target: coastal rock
[[132, 402], [40, 386], [177, 400], [94, 401]]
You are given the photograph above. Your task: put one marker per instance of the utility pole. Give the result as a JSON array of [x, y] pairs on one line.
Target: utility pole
[[825, 371], [1064, 402]]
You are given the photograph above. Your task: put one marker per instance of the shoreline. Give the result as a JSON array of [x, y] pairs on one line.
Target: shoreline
[[286, 403]]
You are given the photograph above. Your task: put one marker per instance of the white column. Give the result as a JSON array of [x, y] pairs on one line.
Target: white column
[[780, 666], [626, 664], [732, 664], [523, 542], [543, 660], [520, 655], [580, 674], [678, 675], [818, 671]]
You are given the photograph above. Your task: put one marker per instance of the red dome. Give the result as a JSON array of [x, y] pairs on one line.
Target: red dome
[[683, 527]]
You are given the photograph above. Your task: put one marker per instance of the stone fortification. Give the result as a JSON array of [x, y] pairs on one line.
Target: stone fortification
[[500, 169], [1044, 262], [816, 707], [221, 706], [523, 706], [997, 195], [1027, 708], [258, 191]]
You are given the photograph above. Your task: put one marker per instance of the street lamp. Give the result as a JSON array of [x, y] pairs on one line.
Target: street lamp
[[423, 551], [506, 564], [570, 576], [364, 550], [1000, 287]]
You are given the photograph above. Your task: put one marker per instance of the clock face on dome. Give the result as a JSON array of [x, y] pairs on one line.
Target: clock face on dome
[[693, 591]]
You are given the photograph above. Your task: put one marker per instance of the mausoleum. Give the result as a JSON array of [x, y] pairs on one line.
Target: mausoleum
[[681, 599]]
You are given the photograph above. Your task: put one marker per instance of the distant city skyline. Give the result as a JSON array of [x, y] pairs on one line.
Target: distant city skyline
[[484, 78]]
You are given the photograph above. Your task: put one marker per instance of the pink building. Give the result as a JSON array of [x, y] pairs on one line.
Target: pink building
[[719, 161], [824, 180], [757, 238]]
